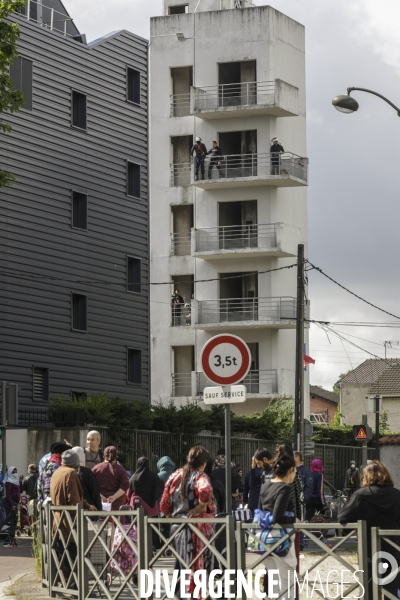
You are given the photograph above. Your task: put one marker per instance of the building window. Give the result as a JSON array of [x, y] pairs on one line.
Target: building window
[[79, 210], [181, 9], [79, 312], [40, 384], [133, 85], [134, 367], [133, 179], [134, 275], [79, 110], [21, 75]]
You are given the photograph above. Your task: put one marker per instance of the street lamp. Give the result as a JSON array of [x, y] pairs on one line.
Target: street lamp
[[346, 104]]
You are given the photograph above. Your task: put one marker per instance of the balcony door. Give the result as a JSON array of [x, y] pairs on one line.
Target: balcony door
[[237, 224], [238, 297], [240, 150], [183, 364], [237, 83]]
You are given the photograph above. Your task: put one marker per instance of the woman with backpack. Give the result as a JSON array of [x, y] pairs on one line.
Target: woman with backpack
[[276, 498], [315, 502]]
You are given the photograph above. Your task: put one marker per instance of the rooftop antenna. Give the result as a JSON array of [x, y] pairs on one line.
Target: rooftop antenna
[[389, 344]]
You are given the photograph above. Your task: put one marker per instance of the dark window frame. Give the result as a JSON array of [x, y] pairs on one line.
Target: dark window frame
[[139, 260], [73, 125], [23, 58], [128, 99], [140, 352], [72, 312], [178, 6], [73, 192], [46, 385], [128, 185]]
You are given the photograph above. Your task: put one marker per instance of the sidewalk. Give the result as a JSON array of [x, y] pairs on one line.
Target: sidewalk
[[16, 561], [23, 587]]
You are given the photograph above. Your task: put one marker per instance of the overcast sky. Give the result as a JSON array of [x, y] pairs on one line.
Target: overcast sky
[[353, 199]]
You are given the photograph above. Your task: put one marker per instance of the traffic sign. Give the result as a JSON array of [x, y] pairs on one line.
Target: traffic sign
[[217, 394], [225, 359], [309, 452], [362, 433], [309, 445], [308, 429]]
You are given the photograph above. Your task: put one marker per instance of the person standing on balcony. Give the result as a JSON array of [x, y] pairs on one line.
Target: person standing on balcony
[[177, 303], [276, 150], [215, 160], [200, 151]]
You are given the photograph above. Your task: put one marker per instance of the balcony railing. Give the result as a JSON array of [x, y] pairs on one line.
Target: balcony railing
[[181, 384], [256, 382], [235, 237], [180, 105], [181, 244], [227, 4], [181, 315], [213, 97], [241, 166], [246, 309], [46, 17]]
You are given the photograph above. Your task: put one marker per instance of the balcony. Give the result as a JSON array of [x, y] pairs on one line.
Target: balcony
[[242, 313], [181, 316], [267, 383], [243, 170], [181, 244], [276, 98], [257, 382], [180, 105], [238, 241]]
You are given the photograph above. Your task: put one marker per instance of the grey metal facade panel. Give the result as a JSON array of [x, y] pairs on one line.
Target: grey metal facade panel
[[44, 259]]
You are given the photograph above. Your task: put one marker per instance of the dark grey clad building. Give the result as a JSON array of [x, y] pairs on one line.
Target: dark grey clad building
[[74, 226]]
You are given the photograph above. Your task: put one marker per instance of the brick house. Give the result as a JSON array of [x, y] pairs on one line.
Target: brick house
[[323, 405]]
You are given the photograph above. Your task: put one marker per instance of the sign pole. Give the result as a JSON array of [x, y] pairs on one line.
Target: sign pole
[[364, 454], [4, 421], [377, 407], [228, 460]]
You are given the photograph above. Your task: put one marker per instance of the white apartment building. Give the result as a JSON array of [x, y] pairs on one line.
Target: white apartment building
[[228, 71]]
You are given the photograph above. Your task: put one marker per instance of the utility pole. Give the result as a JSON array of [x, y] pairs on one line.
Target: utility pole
[[299, 383], [364, 455], [377, 414]]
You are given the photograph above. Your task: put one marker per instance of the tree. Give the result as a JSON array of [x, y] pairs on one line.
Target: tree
[[11, 100], [336, 389], [336, 418], [384, 422]]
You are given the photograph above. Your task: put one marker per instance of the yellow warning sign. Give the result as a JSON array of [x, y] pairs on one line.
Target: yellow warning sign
[[361, 435]]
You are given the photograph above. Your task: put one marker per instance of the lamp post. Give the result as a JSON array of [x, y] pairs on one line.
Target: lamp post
[[346, 104]]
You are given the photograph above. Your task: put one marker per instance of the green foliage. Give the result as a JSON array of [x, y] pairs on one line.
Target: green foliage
[[37, 548], [384, 422], [336, 436], [274, 423], [336, 418], [335, 388], [10, 100]]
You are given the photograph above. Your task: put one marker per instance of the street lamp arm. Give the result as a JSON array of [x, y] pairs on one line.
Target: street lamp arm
[[351, 89]]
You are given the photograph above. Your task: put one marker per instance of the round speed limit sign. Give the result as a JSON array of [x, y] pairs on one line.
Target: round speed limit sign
[[225, 359]]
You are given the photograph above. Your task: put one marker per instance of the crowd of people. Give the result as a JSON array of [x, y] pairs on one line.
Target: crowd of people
[[278, 485]]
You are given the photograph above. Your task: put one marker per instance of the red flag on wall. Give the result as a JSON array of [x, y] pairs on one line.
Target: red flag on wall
[[308, 360]]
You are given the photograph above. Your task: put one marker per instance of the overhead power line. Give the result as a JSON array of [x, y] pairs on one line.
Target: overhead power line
[[350, 292]]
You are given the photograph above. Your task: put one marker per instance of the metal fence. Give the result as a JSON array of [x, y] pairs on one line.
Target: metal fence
[[51, 417], [239, 166], [181, 244], [92, 554], [266, 310], [256, 382], [236, 237], [252, 93], [46, 16]]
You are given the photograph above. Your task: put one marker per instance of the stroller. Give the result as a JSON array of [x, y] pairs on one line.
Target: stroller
[[7, 531], [24, 520], [124, 557]]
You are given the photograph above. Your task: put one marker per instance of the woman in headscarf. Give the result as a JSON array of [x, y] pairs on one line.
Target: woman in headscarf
[[112, 479], [12, 489], [316, 502], [147, 486], [189, 493], [43, 483], [165, 467], [90, 487]]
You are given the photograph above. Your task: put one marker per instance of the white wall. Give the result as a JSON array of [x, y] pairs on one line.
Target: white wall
[[17, 450]]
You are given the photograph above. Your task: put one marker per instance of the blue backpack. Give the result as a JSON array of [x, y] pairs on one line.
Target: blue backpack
[[268, 534]]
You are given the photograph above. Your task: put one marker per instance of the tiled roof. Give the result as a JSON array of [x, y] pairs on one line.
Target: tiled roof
[[369, 371], [324, 394], [388, 384], [390, 440]]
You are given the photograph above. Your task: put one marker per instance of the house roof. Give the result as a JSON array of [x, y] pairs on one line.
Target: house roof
[[369, 371], [388, 384], [319, 392], [390, 440]]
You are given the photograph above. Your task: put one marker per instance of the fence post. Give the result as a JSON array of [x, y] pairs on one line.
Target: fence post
[[51, 565], [363, 555], [83, 580], [141, 534], [240, 553], [375, 547], [147, 544]]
